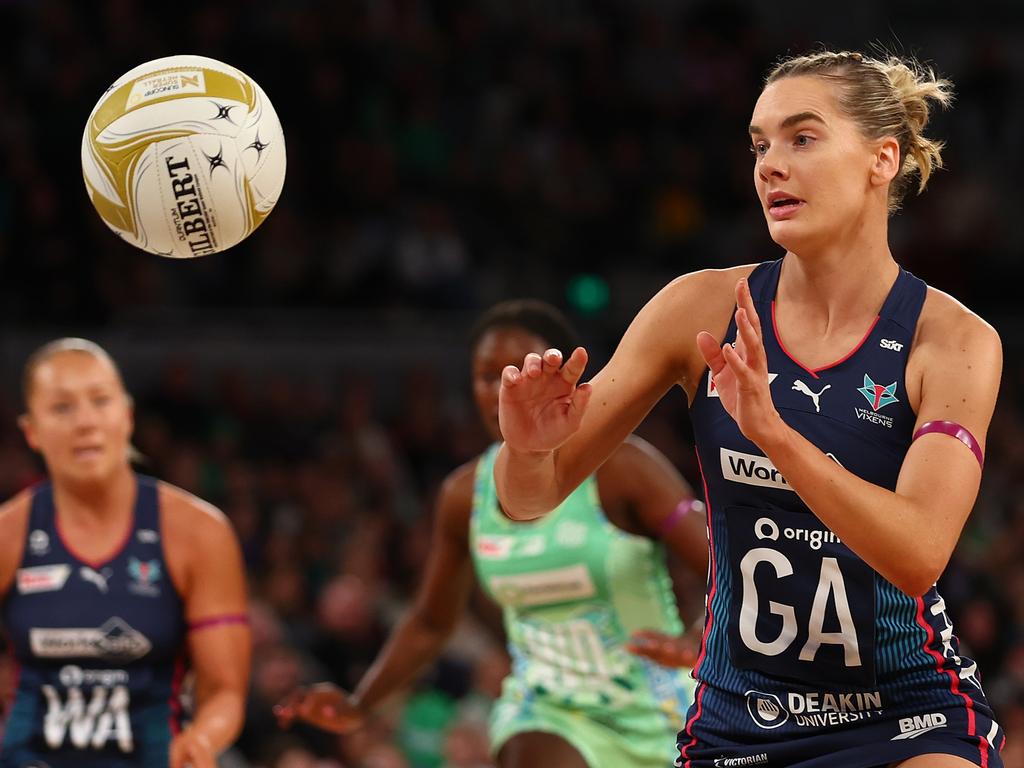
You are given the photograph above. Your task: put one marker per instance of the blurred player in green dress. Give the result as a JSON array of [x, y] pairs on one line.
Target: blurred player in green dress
[[600, 670]]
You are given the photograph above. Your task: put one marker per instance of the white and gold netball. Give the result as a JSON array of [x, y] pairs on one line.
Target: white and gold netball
[[183, 156]]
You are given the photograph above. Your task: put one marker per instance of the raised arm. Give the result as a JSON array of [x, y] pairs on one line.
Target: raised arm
[[557, 433], [906, 535], [421, 634]]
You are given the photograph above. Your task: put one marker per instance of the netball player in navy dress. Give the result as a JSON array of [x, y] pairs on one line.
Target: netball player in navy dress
[[113, 585], [840, 429]]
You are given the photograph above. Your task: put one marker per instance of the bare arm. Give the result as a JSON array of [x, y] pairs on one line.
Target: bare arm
[[440, 602], [654, 489], [906, 535], [14, 524], [556, 433], [219, 642], [422, 632]]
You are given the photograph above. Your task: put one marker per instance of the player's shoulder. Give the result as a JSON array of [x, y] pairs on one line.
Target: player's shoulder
[[706, 284], [665, 330], [630, 465], [188, 518], [15, 510], [14, 515], [695, 301], [947, 325], [455, 498], [631, 453], [460, 481]]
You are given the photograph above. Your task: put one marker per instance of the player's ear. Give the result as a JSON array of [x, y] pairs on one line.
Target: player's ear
[[27, 426], [886, 162]]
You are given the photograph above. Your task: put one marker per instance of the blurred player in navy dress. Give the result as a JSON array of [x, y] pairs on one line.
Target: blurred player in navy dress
[[114, 585]]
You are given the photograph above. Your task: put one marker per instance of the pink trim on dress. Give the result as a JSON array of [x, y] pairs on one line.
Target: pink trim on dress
[[815, 371]]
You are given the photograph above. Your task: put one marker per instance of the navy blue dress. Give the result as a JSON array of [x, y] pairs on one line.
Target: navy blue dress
[[100, 647], [811, 658]]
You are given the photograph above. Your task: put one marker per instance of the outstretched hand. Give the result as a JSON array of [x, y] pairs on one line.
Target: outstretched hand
[[740, 372], [541, 406], [323, 705]]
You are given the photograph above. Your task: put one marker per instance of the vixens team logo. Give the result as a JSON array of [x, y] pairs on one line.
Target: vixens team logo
[[879, 396], [145, 575]]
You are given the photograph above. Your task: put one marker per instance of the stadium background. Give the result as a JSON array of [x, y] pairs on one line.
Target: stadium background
[[312, 381]]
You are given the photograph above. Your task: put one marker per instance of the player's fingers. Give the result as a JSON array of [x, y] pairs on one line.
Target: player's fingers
[[753, 348], [533, 366], [743, 298], [710, 351], [643, 635], [510, 376], [646, 639], [200, 752], [748, 304], [176, 758], [688, 657], [667, 650], [639, 646], [285, 710], [552, 360], [575, 365], [580, 399], [739, 344], [737, 365], [198, 757], [637, 649], [649, 648], [323, 710], [285, 716]]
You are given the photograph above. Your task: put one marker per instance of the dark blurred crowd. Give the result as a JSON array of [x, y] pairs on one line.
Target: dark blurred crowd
[[443, 155]]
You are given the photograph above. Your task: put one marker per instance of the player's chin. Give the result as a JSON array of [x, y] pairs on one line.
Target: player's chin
[[92, 470], [792, 234]]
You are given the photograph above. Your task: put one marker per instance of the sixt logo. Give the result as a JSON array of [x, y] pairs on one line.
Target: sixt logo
[[879, 396]]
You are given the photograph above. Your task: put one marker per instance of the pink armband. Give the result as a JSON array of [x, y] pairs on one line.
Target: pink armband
[[216, 621], [953, 429], [682, 510]]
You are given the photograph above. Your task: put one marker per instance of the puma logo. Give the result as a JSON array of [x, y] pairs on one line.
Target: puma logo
[[799, 386], [95, 577]]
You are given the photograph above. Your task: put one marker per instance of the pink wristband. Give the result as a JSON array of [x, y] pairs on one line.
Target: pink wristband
[[682, 510], [953, 429], [215, 621]]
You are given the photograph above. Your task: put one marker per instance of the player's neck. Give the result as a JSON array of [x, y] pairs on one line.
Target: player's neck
[[96, 503], [838, 284]]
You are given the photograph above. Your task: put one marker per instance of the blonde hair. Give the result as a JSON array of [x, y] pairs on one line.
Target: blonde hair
[[890, 97], [72, 344]]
